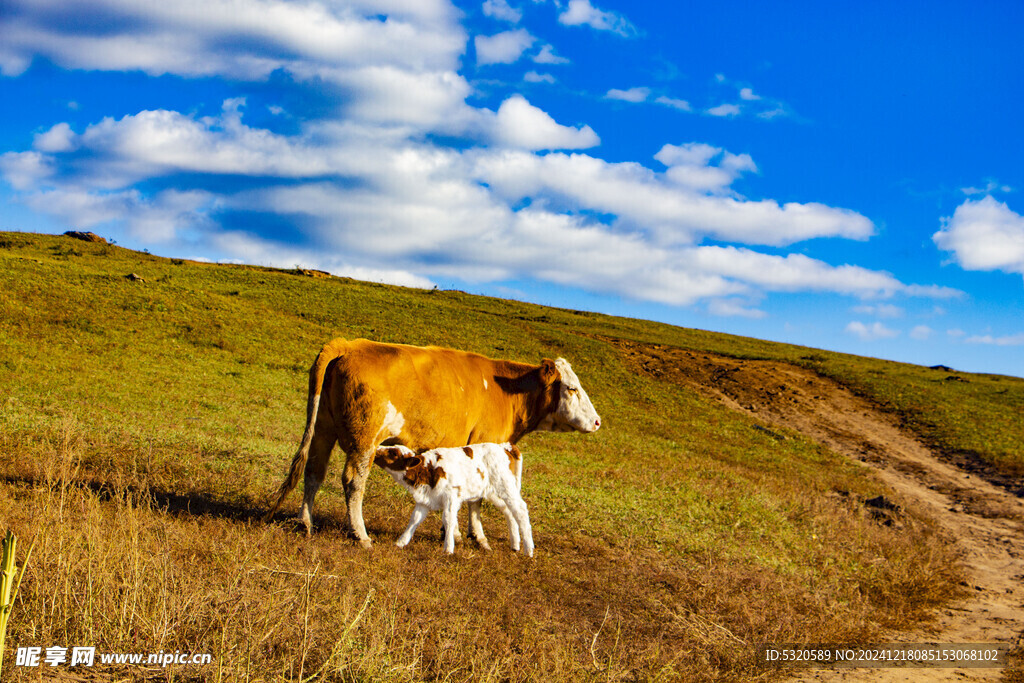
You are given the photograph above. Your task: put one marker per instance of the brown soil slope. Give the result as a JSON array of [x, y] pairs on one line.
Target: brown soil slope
[[985, 521]]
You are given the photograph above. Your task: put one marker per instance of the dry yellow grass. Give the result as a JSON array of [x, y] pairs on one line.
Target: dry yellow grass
[[121, 566]]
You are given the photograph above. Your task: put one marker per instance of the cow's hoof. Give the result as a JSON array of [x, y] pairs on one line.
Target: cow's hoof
[[365, 543]]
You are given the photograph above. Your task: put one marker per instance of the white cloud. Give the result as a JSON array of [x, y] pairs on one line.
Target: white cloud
[[582, 13], [734, 308], [547, 56], [388, 276], [187, 37], [84, 209], [688, 154], [921, 332], [251, 249], [382, 222], [155, 143], [669, 211], [463, 231], [794, 272], [57, 139], [638, 94], [690, 166], [499, 9], [934, 292], [880, 310], [751, 103], [1008, 340], [724, 110], [984, 234], [775, 113], [955, 333], [157, 219], [534, 77], [223, 145], [13, 62], [681, 105], [565, 250], [402, 70], [871, 332], [502, 48], [643, 94], [520, 124], [385, 95], [26, 170], [990, 187]]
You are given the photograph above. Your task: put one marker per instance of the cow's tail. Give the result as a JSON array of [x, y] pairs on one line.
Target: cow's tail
[[331, 350]]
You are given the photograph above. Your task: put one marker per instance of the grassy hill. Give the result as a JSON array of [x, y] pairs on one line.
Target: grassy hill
[[145, 423]]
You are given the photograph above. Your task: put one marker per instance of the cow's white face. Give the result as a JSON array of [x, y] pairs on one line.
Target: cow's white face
[[574, 410]]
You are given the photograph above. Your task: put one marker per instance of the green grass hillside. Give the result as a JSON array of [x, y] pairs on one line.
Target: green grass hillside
[[145, 424]]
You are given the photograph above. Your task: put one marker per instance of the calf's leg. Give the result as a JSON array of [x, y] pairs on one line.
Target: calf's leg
[[513, 526], [419, 513], [476, 528], [518, 509], [450, 520]]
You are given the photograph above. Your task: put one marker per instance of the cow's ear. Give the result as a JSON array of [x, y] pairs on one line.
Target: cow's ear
[[548, 372]]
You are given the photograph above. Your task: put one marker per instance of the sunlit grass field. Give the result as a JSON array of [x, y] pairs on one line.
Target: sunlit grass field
[[145, 424]]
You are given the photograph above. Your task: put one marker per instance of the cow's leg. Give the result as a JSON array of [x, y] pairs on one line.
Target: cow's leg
[[476, 528], [316, 469], [419, 513], [357, 469]]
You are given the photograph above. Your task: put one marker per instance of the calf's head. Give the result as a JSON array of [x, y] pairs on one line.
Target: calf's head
[[568, 404]]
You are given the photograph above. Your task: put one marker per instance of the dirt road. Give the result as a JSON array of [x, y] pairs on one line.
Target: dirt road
[[985, 521]]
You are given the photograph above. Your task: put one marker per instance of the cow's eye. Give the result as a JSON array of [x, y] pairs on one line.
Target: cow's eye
[[572, 390]]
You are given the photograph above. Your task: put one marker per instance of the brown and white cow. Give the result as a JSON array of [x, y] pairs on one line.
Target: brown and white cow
[[363, 394]]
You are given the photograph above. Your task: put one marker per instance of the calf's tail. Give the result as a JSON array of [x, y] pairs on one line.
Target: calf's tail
[[331, 350]]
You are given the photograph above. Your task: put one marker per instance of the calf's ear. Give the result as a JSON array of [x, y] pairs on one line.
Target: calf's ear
[[548, 372]]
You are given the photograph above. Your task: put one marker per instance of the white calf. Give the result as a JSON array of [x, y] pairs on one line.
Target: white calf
[[444, 478]]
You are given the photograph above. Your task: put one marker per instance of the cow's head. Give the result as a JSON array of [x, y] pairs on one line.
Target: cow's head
[[569, 406]]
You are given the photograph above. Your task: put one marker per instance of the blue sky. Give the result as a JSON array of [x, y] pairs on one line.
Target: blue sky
[[838, 175]]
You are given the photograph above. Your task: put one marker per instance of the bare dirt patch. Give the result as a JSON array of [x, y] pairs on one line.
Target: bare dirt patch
[[986, 522]]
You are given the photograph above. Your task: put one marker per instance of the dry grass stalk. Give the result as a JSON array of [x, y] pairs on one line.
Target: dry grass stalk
[[9, 589]]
